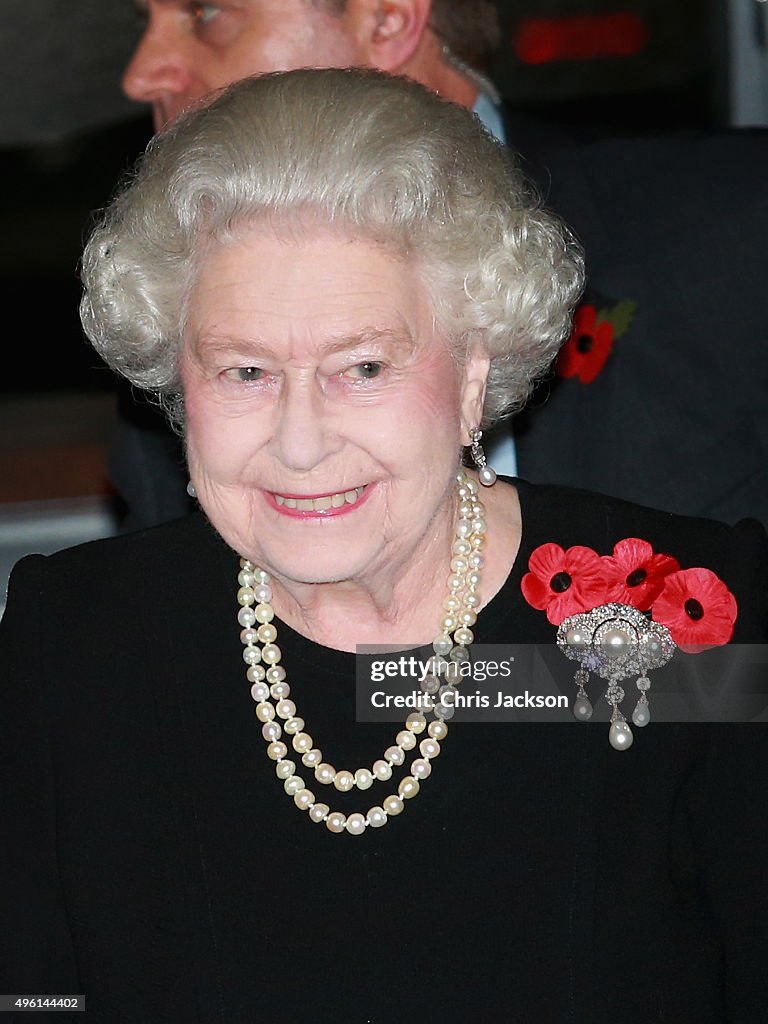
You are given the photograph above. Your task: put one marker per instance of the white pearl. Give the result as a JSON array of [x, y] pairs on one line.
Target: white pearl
[[641, 716], [271, 653], [615, 640], [245, 596], [487, 476], [336, 821], [294, 726], [279, 691], [312, 758], [394, 755], [620, 735], [429, 748], [416, 722], [576, 637], [355, 824], [267, 632], [251, 655], [275, 674], [582, 709], [255, 674], [430, 684], [392, 805], [363, 778], [293, 785], [464, 636], [259, 692], [286, 708], [271, 731], [265, 712], [263, 613], [246, 578], [246, 617], [344, 781], [304, 799], [250, 636], [302, 742], [442, 644], [285, 769], [421, 769], [377, 817], [405, 739], [325, 774], [318, 812], [408, 787], [263, 593], [277, 750], [438, 730], [382, 770]]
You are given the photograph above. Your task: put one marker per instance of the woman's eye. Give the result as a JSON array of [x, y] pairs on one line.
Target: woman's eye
[[365, 371], [244, 374]]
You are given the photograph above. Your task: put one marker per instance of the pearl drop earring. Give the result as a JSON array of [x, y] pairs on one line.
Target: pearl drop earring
[[485, 474]]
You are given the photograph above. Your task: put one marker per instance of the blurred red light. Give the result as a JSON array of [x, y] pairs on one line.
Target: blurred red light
[[581, 37]]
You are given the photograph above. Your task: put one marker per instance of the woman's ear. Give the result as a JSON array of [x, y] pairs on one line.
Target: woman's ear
[[473, 391], [388, 32]]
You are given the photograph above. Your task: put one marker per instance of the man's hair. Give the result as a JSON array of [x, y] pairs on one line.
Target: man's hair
[[371, 156], [469, 28]]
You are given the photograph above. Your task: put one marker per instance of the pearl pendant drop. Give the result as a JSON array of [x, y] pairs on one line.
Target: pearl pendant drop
[[278, 716], [620, 735]]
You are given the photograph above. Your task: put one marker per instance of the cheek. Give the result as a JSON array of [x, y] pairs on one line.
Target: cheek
[[219, 444]]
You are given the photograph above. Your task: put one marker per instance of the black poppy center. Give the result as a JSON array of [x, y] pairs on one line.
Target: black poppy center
[[560, 582], [584, 343], [636, 578], [693, 609]]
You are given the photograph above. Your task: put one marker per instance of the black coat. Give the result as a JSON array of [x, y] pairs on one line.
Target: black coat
[[152, 862], [677, 225]]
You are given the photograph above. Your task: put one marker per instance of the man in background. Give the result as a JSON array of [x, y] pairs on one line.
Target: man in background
[[667, 363]]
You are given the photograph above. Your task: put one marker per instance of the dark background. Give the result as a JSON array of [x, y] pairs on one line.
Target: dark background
[[67, 134]]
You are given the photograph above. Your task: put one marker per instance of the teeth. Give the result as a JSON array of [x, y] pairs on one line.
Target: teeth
[[320, 504]]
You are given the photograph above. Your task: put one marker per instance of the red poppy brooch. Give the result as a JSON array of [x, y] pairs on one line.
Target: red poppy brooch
[[624, 614], [591, 341]]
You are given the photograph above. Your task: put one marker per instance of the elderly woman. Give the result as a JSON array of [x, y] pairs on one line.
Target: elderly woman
[[333, 281]]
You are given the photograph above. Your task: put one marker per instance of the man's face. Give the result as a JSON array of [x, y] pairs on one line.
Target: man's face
[[189, 49]]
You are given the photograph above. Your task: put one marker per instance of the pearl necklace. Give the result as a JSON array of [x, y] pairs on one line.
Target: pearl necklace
[[270, 690]]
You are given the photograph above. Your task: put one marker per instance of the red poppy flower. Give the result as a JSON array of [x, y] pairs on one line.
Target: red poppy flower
[[587, 350], [564, 582], [697, 608], [636, 575]]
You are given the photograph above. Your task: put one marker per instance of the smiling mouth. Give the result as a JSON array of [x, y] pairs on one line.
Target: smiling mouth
[[325, 504]]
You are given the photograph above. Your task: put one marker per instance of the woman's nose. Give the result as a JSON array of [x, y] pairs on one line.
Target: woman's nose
[[303, 436]]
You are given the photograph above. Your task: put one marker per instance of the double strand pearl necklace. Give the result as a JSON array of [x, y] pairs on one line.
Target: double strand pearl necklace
[[270, 690]]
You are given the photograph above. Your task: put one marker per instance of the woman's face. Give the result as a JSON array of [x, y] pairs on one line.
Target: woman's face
[[325, 414]]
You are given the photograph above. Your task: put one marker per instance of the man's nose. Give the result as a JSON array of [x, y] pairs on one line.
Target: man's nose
[[160, 65]]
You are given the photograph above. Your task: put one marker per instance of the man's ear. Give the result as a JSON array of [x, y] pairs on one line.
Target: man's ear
[[473, 392], [388, 32]]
